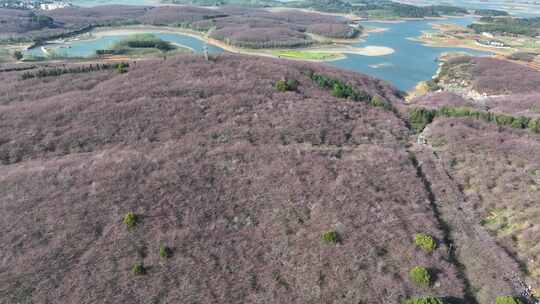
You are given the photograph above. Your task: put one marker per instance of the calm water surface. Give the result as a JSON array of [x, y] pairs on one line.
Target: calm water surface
[[86, 48], [410, 63]]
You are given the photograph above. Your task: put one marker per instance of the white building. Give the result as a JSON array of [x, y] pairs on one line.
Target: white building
[[54, 5]]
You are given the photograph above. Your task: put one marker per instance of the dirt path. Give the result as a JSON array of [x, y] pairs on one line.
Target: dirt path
[[485, 266]]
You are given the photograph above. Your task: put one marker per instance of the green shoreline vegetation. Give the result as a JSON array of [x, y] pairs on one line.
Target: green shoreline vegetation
[[141, 45]]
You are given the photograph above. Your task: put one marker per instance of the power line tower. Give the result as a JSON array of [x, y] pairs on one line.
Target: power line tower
[[205, 51]]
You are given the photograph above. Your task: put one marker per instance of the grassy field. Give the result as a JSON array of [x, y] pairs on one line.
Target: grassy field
[[308, 55]]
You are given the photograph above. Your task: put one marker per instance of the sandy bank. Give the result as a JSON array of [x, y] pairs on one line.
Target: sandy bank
[[339, 49], [370, 50]]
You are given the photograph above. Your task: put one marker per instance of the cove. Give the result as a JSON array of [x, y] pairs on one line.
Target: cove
[[87, 48], [411, 62]]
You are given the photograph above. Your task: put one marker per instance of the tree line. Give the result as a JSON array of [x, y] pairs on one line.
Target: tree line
[[342, 89], [121, 67], [513, 26], [420, 117]]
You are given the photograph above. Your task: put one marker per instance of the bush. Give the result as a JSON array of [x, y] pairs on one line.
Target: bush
[[121, 68], [138, 269], [131, 220], [420, 118], [432, 85], [520, 122], [164, 252], [420, 276], [287, 85], [377, 101], [18, 55], [331, 237], [508, 300], [424, 300], [425, 241], [534, 125], [338, 88]]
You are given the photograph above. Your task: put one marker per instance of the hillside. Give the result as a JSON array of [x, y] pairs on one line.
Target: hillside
[[254, 195], [487, 84], [242, 27], [481, 152]]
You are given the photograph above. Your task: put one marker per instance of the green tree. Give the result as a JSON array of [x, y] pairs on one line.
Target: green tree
[[425, 241], [121, 68], [421, 117], [138, 269], [284, 85], [131, 220], [331, 236], [534, 125], [18, 55], [164, 251], [420, 276]]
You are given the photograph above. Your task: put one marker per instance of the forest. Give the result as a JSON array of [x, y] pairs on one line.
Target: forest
[[529, 27], [242, 27], [232, 178], [213, 151]]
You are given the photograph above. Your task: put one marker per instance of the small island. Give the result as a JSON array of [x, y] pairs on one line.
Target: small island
[[139, 45]]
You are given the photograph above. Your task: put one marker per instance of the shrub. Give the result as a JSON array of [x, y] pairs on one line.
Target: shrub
[[377, 101], [420, 118], [287, 85], [138, 269], [425, 241], [18, 55], [508, 300], [130, 220], [420, 276], [424, 300], [338, 88], [292, 84], [331, 237], [164, 252], [534, 125], [520, 122], [121, 68], [432, 85]]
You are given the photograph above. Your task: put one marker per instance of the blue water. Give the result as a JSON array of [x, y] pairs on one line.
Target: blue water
[[86, 48], [411, 62]]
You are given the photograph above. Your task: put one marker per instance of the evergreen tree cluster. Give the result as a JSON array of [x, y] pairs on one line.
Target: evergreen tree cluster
[[420, 117], [57, 71]]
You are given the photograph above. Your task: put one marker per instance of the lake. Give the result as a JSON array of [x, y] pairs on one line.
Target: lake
[[410, 63], [86, 48]]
